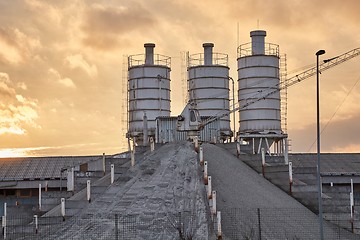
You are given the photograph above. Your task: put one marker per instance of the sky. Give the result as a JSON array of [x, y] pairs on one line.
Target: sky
[[62, 84]]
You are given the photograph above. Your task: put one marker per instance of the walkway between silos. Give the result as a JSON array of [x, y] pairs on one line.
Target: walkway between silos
[[164, 192], [252, 207]]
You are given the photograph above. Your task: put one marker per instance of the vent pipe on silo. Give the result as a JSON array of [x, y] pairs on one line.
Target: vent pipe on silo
[[208, 53], [149, 53], [258, 42]]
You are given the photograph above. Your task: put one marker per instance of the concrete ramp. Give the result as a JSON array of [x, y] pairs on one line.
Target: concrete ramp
[[164, 198], [254, 208]]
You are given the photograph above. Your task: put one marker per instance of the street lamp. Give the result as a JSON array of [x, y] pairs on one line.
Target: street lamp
[[318, 53]]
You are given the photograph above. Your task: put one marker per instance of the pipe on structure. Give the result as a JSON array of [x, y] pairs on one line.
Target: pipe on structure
[[196, 144], [258, 42], [132, 156], [145, 130], [149, 53], [208, 53]]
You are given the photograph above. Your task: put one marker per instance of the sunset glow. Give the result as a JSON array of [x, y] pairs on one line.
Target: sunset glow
[[12, 152], [62, 75]]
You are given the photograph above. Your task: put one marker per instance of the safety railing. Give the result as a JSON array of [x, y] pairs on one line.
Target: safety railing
[[139, 59], [220, 59], [246, 50]]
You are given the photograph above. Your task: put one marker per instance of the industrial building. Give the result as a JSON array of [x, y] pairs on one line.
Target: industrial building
[[182, 176]]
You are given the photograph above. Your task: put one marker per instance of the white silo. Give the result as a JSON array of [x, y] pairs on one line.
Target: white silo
[[208, 86], [149, 92], [258, 72], [258, 83]]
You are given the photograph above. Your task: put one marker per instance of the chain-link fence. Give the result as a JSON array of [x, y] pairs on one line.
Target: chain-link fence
[[152, 225], [278, 223], [244, 223]]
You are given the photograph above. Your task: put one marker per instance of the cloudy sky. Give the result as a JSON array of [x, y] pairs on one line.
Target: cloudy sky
[[62, 88]]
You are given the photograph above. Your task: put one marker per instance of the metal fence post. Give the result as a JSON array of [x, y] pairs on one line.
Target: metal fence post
[[219, 232], [63, 208], [290, 178], [259, 222], [112, 174], [201, 155], [4, 226], [103, 163], [40, 197], [36, 224], [205, 173], [116, 227], [209, 190], [132, 157], [88, 189], [4, 220], [263, 161]]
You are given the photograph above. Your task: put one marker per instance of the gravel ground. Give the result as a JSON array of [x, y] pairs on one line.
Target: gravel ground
[[246, 199]]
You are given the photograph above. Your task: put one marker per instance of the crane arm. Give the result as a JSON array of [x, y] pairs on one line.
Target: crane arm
[[327, 64]]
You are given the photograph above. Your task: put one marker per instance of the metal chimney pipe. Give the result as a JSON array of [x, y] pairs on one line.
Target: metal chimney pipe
[[208, 53], [149, 53], [258, 42]]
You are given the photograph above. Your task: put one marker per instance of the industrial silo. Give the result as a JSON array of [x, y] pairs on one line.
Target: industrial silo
[[258, 72], [208, 87], [148, 92], [259, 95]]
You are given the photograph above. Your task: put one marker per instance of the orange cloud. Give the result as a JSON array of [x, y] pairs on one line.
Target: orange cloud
[[78, 61], [104, 26], [17, 111], [54, 75]]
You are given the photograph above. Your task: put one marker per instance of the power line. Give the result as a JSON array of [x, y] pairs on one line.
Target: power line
[[337, 109]]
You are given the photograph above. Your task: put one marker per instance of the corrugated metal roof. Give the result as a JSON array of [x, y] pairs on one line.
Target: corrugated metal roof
[[39, 167], [331, 163]]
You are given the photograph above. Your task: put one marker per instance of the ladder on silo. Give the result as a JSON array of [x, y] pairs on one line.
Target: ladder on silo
[[124, 100], [184, 78], [283, 92]]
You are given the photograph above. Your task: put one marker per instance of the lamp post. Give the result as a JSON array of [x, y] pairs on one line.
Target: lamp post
[[318, 53]]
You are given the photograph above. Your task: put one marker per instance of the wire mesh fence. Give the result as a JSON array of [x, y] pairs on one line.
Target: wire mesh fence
[[244, 223], [278, 223], [148, 225]]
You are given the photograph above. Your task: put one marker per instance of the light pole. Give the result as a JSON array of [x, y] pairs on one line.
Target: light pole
[[318, 53]]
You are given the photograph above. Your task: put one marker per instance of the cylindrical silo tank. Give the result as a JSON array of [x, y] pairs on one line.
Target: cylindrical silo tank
[[149, 91], [258, 76], [208, 86]]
